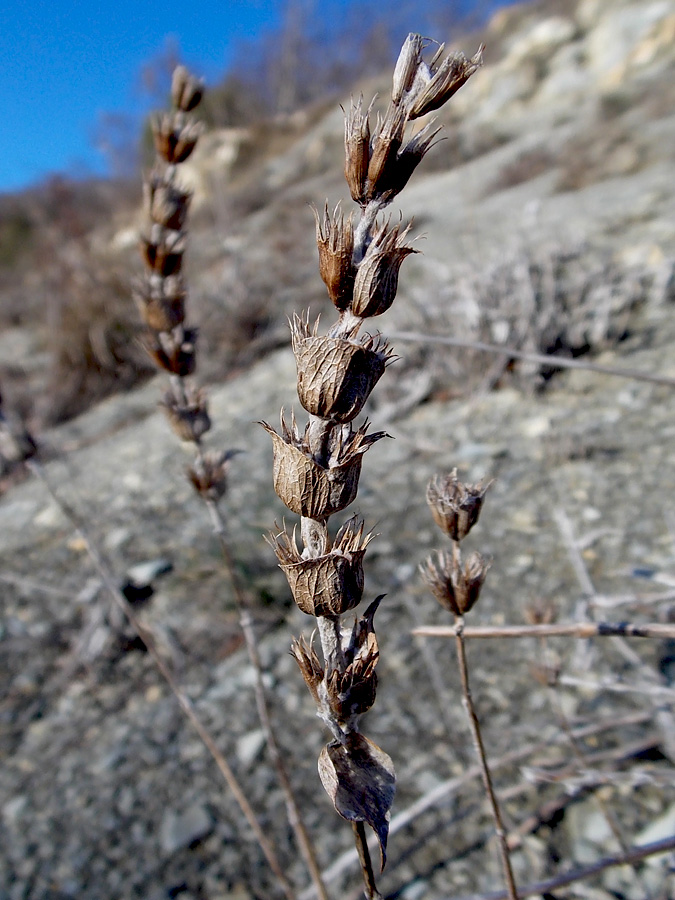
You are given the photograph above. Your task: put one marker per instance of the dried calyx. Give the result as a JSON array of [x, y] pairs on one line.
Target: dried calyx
[[317, 469], [455, 507]]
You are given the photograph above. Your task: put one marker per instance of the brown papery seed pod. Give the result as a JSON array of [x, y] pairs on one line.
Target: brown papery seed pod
[[335, 376], [386, 144], [163, 251], [453, 72], [188, 415], [456, 587], [357, 149], [174, 139], [309, 489], [208, 474], [174, 353], [335, 241], [454, 505], [376, 280], [331, 584], [166, 204], [186, 90], [161, 303]]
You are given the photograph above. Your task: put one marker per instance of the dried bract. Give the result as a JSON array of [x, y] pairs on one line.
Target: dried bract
[[330, 584], [359, 778], [174, 138], [163, 251], [455, 506], [167, 204], [406, 67], [208, 474], [376, 281], [176, 353], [446, 80], [335, 240], [187, 412], [382, 180], [456, 587], [310, 665], [335, 376], [357, 149], [186, 90], [161, 302]]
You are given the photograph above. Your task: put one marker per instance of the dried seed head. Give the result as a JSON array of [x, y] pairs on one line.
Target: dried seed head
[[166, 204], [435, 85], [163, 251], [310, 665], [187, 412], [309, 489], [540, 611], [174, 138], [455, 587], [161, 302], [335, 376], [382, 181], [546, 674], [455, 506], [330, 584], [357, 149], [175, 352], [351, 691], [208, 474], [186, 90], [335, 240], [376, 279]]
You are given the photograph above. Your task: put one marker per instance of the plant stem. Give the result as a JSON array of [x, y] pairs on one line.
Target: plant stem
[[371, 890], [293, 813], [480, 750]]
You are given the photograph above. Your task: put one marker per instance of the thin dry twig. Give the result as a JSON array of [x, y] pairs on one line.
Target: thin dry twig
[[630, 857], [552, 362], [583, 630]]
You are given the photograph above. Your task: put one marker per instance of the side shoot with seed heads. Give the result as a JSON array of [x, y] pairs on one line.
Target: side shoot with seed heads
[[317, 467], [456, 584]]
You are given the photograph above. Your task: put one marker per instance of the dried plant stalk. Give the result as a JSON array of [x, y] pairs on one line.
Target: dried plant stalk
[[455, 508], [317, 469], [161, 297]]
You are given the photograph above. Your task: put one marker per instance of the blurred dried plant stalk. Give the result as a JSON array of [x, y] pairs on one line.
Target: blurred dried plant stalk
[[161, 296], [317, 468]]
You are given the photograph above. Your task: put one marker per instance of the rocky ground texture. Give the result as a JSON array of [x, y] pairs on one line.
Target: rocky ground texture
[[555, 186]]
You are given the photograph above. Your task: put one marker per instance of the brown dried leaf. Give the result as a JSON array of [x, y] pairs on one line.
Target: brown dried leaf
[[359, 778]]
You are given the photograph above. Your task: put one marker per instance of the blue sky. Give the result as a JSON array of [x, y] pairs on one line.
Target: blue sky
[[64, 63]]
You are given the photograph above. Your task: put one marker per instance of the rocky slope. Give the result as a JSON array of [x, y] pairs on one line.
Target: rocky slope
[[549, 217]]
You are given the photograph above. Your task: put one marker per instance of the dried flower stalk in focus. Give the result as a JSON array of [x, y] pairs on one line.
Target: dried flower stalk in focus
[[317, 468]]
